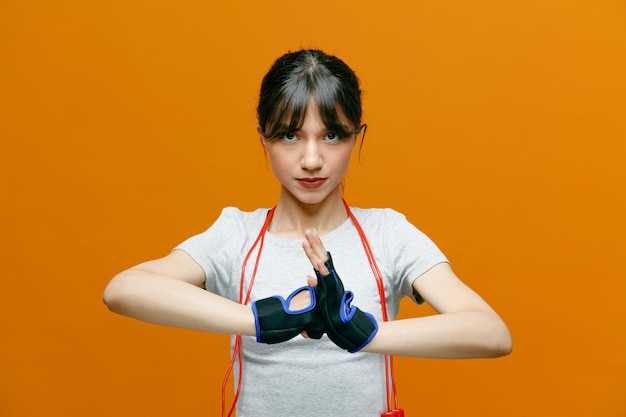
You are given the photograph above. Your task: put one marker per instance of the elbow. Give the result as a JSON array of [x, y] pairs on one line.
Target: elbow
[[502, 343], [507, 346], [114, 293], [503, 348]]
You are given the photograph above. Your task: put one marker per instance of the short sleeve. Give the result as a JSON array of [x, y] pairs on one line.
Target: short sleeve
[[217, 248], [409, 251]]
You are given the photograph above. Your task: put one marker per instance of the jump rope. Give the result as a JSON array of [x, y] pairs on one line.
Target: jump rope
[[237, 350]]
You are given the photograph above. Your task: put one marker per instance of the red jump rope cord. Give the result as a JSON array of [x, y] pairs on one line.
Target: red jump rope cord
[[389, 373], [237, 348]]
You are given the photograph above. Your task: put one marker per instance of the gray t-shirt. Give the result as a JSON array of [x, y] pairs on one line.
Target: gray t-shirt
[[307, 377]]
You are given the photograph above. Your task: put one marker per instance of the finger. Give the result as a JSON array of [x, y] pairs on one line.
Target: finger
[[321, 266], [314, 250], [305, 334], [311, 281], [309, 253], [315, 241]]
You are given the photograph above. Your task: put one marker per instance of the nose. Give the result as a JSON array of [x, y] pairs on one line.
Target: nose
[[311, 155]]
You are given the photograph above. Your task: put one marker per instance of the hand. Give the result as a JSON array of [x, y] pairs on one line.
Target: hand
[[346, 325], [276, 320]]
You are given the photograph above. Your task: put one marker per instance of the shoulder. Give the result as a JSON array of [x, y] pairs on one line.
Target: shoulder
[[232, 227], [243, 215], [244, 219], [393, 230], [379, 217], [236, 212]]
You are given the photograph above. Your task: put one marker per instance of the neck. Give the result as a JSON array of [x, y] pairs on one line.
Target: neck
[[292, 217]]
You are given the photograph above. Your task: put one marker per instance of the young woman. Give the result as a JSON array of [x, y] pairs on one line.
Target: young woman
[[312, 346]]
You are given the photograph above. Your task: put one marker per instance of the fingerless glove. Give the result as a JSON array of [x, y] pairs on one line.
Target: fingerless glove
[[276, 323], [346, 325]]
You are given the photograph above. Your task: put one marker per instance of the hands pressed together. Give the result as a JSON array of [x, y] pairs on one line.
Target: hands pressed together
[[321, 307]]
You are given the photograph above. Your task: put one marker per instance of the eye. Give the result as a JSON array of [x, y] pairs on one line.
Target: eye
[[332, 137], [289, 137]]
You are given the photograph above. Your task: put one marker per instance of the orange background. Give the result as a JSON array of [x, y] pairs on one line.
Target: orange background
[[497, 127]]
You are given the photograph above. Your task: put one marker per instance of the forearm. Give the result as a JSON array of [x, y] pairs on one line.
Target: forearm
[[467, 334], [167, 301]]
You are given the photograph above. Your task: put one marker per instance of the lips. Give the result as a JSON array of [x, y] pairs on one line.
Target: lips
[[311, 182]]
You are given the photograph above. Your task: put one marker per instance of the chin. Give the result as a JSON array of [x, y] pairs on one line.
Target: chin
[[309, 199], [315, 199]]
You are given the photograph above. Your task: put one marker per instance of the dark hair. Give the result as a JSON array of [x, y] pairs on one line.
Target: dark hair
[[294, 79]]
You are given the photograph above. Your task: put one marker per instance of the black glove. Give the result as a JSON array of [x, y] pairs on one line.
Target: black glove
[[346, 325], [275, 323]]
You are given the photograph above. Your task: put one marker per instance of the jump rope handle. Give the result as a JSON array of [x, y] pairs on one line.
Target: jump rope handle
[[393, 413]]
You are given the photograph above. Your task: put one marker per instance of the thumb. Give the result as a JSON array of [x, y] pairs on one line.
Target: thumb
[[311, 281]]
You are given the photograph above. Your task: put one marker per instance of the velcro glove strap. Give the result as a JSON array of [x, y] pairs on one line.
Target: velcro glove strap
[[346, 325], [276, 323]]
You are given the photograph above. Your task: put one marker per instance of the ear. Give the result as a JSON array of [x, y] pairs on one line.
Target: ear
[[261, 137]]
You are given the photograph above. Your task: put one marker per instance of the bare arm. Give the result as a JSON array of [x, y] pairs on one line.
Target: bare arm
[[466, 326], [170, 291]]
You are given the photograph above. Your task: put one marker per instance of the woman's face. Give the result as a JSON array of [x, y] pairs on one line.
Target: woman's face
[[310, 163]]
